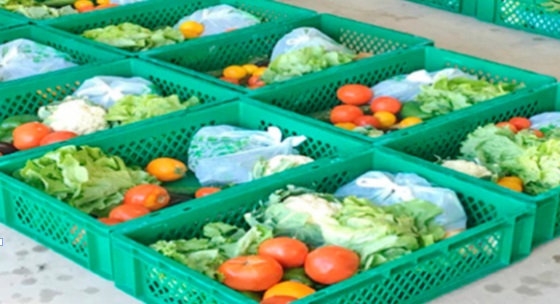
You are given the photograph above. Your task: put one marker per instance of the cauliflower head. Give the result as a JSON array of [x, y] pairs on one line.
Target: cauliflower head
[[74, 115], [467, 167], [278, 164]]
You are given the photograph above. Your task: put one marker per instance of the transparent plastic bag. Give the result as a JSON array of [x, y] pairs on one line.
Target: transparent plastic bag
[[545, 120], [105, 91], [385, 189], [220, 19], [306, 37], [222, 155], [22, 58], [406, 87]]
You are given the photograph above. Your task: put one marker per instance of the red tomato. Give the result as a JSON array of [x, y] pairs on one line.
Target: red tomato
[[508, 125], [278, 300], [331, 264], [345, 113], [255, 82], [55, 137], [386, 104], [152, 197], [251, 273], [539, 133], [206, 191], [29, 135], [367, 121], [128, 212], [109, 221], [290, 253], [230, 80], [520, 123], [354, 94]]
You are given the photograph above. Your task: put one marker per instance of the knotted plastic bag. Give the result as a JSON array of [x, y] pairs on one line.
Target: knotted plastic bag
[[220, 19], [406, 87], [105, 91], [223, 155], [307, 37], [22, 58], [385, 189]]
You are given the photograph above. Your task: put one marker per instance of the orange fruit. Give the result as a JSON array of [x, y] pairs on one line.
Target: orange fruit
[[82, 4], [387, 119], [346, 126], [260, 71], [152, 197], [289, 289], [250, 68], [166, 169], [235, 72], [103, 2], [410, 121], [512, 185], [205, 191], [191, 29], [513, 179]]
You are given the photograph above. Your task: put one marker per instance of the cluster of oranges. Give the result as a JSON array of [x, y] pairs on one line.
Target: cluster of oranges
[[83, 6], [248, 75], [385, 110]]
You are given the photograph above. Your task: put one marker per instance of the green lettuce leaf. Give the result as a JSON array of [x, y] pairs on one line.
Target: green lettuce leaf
[[303, 61], [133, 37], [84, 177], [133, 108]]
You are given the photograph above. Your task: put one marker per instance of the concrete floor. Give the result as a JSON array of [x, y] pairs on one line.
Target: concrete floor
[[30, 273]]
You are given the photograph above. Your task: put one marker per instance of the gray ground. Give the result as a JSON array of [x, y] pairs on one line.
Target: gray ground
[[30, 273]]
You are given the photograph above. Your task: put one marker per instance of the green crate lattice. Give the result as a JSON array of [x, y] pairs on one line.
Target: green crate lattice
[[527, 15], [444, 139], [6, 21], [155, 14], [82, 53], [238, 49], [496, 234], [54, 223], [465, 7], [318, 92], [29, 97]]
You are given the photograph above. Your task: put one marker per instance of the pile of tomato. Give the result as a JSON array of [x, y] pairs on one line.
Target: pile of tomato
[[83, 6], [360, 108], [248, 75], [267, 271]]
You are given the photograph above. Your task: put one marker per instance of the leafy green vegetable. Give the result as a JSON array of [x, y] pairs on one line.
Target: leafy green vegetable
[[303, 61], [219, 243], [552, 6], [448, 95], [8, 125], [84, 177], [377, 234], [133, 37], [38, 10], [535, 160], [133, 108]]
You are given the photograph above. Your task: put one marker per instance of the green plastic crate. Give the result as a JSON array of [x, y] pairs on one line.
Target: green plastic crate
[[499, 230], [84, 54], [444, 140], [57, 225], [239, 48], [318, 92], [156, 14], [7, 21], [27, 98], [527, 15], [465, 7]]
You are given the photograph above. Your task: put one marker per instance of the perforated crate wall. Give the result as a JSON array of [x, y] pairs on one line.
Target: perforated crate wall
[[428, 273], [82, 53], [29, 97], [319, 92], [465, 7], [160, 13], [51, 222], [527, 15], [238, 49], [443, 140]]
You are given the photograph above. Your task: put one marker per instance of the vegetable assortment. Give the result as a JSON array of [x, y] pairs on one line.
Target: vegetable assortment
[[301, 241], [48, 9], [75, 116], [520, 154]]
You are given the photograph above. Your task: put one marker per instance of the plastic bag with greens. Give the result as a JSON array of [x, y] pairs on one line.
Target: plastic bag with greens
[[385, 189], [222, 155], [545, 120], [307, 37], [220, 19], [24, 58], [406, 87], [105, 91]]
